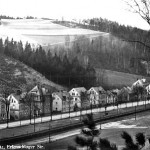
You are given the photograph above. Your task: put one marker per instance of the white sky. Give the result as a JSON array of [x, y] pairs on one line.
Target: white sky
[[114, 10]]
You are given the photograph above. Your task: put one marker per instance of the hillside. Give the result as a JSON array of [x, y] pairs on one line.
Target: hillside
[[71, 45], [41, 32], [115, 79], [15, 75]]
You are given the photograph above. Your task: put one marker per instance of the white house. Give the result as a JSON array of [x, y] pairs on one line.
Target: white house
[[75, 93], [62, 102], [14, 100], [96, 95], [57, 101], [148, 89]]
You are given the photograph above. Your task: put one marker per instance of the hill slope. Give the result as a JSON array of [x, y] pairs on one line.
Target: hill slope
[[40, 32], [115, 79], [15, 75]]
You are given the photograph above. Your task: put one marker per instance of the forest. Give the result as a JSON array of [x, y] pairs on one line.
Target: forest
[[53, 67], [127, 48]]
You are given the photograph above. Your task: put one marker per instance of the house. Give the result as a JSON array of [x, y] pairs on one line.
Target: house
[[57, 104], [4, 109], [35, 93], [110, 97], [41, 98], [148, 89], [75, 93], [124, 94], [67, 102], [14, 100], [96, 95]]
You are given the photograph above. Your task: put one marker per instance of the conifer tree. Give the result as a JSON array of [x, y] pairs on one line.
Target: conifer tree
[[88, 137]]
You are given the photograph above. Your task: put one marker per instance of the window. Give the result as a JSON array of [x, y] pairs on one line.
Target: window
[[76, 99], [73, 94]]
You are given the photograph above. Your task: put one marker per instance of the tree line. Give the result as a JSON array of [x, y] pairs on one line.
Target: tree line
[[54, 67]]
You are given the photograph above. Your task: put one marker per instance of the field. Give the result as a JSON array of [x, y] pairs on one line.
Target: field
[[118, 79], [41, 32]]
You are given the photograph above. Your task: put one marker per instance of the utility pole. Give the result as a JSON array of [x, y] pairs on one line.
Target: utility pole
[[34, 114], [135, 112], [50, 115]]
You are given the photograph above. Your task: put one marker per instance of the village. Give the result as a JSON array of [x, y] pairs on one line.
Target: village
[[40, 101]]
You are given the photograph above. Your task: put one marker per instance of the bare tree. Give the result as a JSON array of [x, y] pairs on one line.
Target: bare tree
[[142, 8]]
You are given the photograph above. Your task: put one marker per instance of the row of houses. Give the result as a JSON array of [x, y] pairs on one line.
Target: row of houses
[[42, 101]]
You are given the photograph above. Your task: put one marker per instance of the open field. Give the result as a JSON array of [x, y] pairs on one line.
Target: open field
[[41, 32]]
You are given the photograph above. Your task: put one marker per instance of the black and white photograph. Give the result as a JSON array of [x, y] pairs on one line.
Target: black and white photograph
[[74, 74]]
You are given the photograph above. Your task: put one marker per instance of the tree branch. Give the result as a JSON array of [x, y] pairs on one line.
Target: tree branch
[[134, 41]]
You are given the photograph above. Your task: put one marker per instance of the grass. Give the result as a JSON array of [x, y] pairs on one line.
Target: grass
[[119, 79]]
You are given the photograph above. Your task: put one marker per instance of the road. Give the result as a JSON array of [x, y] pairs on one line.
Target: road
[[71, 114], [111, 130]]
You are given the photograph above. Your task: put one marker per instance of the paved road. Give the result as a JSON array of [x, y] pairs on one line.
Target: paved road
[[72, 114]]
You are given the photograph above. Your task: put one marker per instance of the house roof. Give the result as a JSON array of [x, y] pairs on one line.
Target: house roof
[[115, 91], [2, 100], [80, 89], [62, 94], [42, 90], [139, 82], [34, 90], [98, 89], [109, 93], [17, 97], [124, 90]]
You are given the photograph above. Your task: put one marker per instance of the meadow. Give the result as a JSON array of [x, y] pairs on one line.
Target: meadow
[[41, 32]]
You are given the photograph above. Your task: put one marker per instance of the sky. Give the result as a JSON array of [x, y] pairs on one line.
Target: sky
[[114, 10]]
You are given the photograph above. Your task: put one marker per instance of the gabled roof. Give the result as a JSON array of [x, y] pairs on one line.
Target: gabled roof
[[61, 95], [34, 90], [80, 89], [115, 91], [98, 89], [109, 93], [17, 97], [2, 100], [139, 82], [40, 89]]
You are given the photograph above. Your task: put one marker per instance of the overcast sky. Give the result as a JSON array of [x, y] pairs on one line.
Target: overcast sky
[[115, 10]]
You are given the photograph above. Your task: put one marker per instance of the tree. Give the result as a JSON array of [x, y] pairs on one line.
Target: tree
[[141, 7], [87, 138], [129, 143]]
